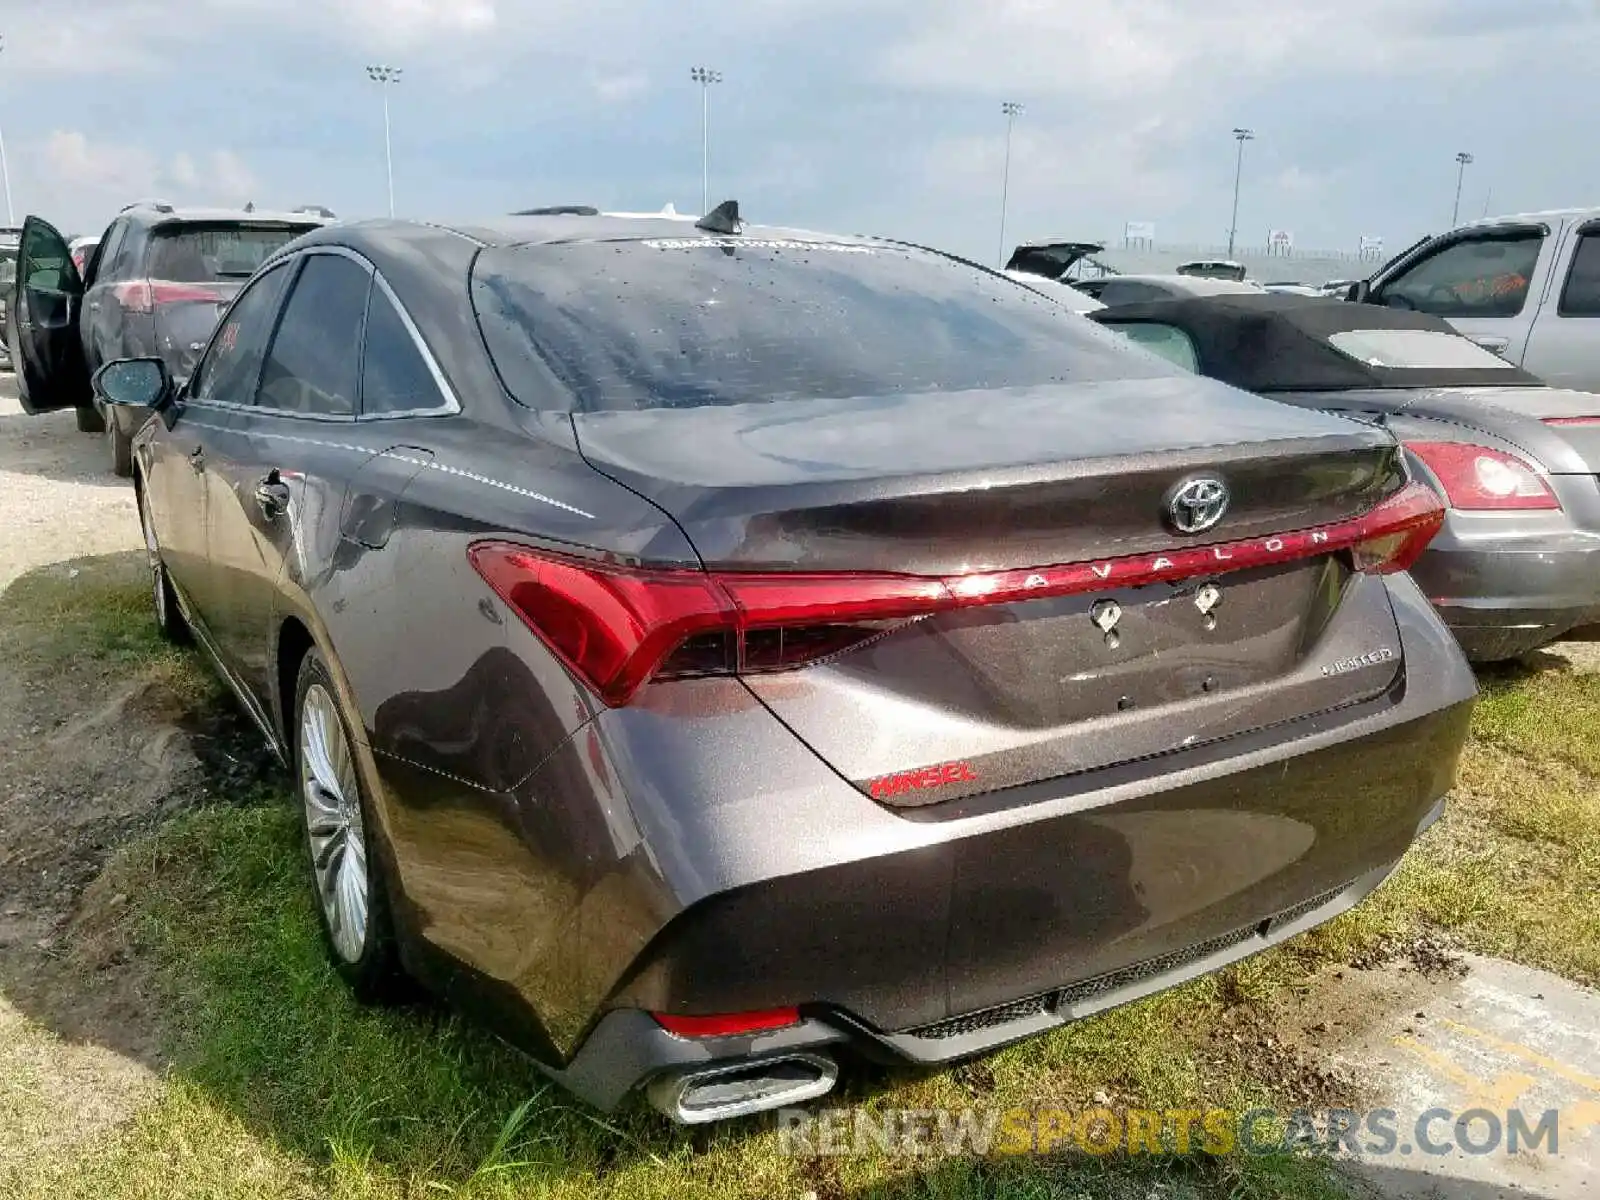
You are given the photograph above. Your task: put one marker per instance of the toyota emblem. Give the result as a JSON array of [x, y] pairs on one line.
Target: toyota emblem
[[1197, 504]]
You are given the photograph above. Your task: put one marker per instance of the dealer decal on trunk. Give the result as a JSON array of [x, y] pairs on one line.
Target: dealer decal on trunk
[[942, 775]]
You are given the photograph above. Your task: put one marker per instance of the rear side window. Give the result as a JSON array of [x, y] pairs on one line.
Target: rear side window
[[102, 260], [687, 322], [1416, 350], [1166, 341], [315, 358], [1473, 277], [231, 366], [204, 253], [395, 377], [1581, 295]]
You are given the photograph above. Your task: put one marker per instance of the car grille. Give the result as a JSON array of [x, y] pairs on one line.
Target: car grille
[[1088, 989], [987, 1018], [1289, 915]]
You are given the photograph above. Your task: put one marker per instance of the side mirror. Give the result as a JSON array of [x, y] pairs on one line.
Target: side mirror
[[134, 383], [1359, 292]]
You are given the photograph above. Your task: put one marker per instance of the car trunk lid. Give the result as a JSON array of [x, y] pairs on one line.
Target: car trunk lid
[[1142, 639]]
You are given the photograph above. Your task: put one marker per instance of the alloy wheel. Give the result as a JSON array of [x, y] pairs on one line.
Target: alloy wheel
[[334, 823]]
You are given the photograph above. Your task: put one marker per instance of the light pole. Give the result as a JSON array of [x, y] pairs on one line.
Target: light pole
[[384, 77], [1463, 161], [5, 171], [705, 77], [1241, 136], [1012, 110]]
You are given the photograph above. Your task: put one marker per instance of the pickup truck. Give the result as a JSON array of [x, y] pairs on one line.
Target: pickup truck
[[1526, 287]]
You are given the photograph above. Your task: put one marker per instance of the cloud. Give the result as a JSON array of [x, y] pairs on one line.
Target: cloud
[[853, 114], [1119, 49], [102, 176], [619, 88], [230, 177], [75, 161]]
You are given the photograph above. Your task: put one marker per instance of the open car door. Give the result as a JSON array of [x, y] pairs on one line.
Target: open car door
[[42, 322]]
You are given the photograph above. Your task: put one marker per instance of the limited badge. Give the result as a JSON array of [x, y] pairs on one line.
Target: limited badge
[[1345, 665]]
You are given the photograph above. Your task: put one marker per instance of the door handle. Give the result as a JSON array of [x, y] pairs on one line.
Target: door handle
[[272, 494], [1493, 344]]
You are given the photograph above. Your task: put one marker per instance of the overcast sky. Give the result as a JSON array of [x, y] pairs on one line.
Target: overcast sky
[[872, 116]]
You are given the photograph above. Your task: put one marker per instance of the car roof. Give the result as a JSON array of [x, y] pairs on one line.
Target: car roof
[[1279, 341], [1196, 284], [152, 213], [1552, 214], [606, 227]]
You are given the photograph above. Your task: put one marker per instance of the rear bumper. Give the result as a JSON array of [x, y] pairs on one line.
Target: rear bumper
[[1506, 595], [627, 1047], [689, 855]]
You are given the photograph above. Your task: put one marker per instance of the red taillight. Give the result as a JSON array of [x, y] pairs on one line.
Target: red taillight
[[613, 627], [146, 295], [1391, 537], [1572, 420], [618, 627], [729, 1023], [1476, 478]]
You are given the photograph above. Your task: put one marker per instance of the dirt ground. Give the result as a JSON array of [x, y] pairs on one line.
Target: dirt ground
[[89, 761]]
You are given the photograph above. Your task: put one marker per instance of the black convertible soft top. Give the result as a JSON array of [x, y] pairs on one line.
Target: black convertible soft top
[[1278, 342]]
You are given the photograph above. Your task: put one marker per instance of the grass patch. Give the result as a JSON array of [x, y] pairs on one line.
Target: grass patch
[[91, 619], [285, 1087], [1513, 869]]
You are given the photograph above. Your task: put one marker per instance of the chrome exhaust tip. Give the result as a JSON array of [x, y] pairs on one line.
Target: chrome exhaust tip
[[741, 1088]]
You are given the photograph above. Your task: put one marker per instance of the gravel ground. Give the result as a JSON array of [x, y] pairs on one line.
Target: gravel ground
[[58, 497]]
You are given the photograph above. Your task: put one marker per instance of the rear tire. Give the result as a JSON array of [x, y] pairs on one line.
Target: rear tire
[[89, 419], [347, 877]]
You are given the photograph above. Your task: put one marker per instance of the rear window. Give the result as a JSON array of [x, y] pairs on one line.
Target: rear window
[[203, 253], [1415, 350], [688, 322]]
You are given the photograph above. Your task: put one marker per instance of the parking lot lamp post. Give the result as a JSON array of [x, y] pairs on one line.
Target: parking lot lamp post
[[383, 77], [1012, 111], [5, 171], [1463, 161], [1241, 136], [705, 77]]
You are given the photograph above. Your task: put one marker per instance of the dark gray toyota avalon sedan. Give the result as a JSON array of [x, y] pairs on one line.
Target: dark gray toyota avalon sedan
[[704, 650]]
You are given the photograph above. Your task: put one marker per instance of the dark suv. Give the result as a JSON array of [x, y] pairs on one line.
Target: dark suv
[[10, 239], [155, 285]]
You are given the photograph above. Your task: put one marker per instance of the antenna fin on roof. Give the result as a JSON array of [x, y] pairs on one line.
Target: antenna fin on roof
[[670, 210], [724, 218]]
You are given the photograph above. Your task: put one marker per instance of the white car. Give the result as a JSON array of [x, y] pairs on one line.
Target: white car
[[1070, 296]]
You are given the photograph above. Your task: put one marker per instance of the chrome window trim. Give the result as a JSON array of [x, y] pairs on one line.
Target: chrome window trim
[[277, 326], [266, 268], [451, 405]]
